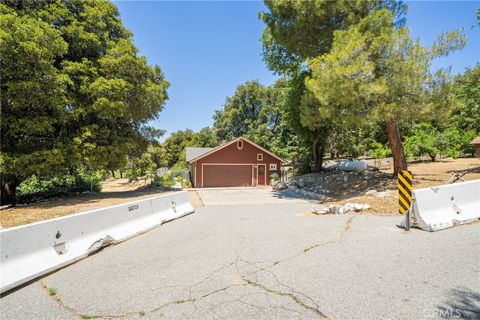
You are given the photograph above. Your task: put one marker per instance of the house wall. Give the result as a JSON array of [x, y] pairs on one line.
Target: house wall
[[231, 154]]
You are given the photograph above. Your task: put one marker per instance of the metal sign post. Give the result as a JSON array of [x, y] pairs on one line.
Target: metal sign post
[[405, 196]]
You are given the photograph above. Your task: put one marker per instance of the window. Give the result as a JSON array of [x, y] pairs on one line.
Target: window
[[273, 166], [240, 144], [259, 156]]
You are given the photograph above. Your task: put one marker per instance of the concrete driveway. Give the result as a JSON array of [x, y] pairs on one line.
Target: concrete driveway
[[243, 196], [267, 261]]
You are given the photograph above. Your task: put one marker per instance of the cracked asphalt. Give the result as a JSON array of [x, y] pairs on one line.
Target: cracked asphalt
[[267, 261]]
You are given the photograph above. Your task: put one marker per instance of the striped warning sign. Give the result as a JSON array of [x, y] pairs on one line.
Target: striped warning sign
[[404, 191]]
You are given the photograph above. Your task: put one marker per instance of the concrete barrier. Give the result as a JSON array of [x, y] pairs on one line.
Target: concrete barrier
[[445, 206], [32, 250]]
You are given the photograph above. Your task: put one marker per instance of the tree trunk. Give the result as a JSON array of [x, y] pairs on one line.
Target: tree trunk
[[113, 173], [318, 152], [395, 142], [433, 157], [133, 174], [8, 189], [121, 174]]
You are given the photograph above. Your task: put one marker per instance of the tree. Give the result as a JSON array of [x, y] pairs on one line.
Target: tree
[[375, 71], [241, 111], [175, 146], [205, 138], [74, 92], [424, 139], [258, 112], [298, 30], [467, 90]]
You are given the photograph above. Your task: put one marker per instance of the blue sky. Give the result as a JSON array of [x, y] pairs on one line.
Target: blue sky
[[206, 49]]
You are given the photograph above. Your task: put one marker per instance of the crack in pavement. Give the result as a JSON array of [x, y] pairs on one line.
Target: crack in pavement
[[297, 297]]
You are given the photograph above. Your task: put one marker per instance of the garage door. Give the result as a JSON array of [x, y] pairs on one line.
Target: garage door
[[227, 175]]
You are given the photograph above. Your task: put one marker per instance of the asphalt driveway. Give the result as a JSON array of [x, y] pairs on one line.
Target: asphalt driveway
[[267, 261]]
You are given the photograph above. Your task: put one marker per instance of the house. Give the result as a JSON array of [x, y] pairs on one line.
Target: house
[[238, 163], [476, 144]]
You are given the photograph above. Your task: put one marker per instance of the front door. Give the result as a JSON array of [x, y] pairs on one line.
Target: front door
[[261, 174]]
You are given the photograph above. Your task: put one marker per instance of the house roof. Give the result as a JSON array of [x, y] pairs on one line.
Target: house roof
[[212, 150], [476, 140], [192, 153]]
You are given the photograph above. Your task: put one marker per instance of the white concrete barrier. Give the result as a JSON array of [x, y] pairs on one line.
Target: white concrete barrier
[[445, 206], [32, 250]]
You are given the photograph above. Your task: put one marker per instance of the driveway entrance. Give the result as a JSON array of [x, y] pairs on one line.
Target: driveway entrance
[[244, 196]]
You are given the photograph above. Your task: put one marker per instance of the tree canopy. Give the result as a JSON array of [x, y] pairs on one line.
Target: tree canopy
[[74, 91]]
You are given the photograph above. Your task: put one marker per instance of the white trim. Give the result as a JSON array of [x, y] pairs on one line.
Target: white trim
[[274, 166], [264, 173], [231, 142], [194, 174], [228, 164], [240, 148], [261, 156]]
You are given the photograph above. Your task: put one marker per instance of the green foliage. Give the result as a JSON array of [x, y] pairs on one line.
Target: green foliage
[[259, 113], [167, 180], [274, 176], [379, 151], [35, 188], [186, 183], [297, 30], [177, 142], [74, 91], [467, 90], [355, 82], [425, 139]]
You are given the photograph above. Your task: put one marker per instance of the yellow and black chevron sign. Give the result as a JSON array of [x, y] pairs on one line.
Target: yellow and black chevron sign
[[404, 191]]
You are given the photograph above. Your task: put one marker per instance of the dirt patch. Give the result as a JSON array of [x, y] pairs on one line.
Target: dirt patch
[[341, 187], [195, 199], [113, 192]]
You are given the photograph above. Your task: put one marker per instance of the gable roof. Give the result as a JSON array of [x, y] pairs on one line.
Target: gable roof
[[192, 152], [229, 143], [476, 140]]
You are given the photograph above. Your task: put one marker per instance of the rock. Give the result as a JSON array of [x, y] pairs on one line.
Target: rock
[[335, 209], [320, 210], [375, 193], [301, 184], [279, 185], [351, 165], [293, 183], [346, 177]]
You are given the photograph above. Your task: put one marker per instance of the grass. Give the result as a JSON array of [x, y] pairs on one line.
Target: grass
[[141, 313], [86, 316], [52, 291]]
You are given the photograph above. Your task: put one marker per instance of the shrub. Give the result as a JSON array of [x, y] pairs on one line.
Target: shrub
[[274, 176], [379, 151], [186, 183], [36, 188], [167, 180], [425, 139]]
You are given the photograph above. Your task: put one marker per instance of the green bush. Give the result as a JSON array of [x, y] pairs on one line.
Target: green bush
[[186, 183], [167, 180], [379, 151], [36, 188], [424, 139], [274, 176]]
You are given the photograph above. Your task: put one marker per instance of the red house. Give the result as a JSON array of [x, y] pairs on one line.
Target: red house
[[238, 163]]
